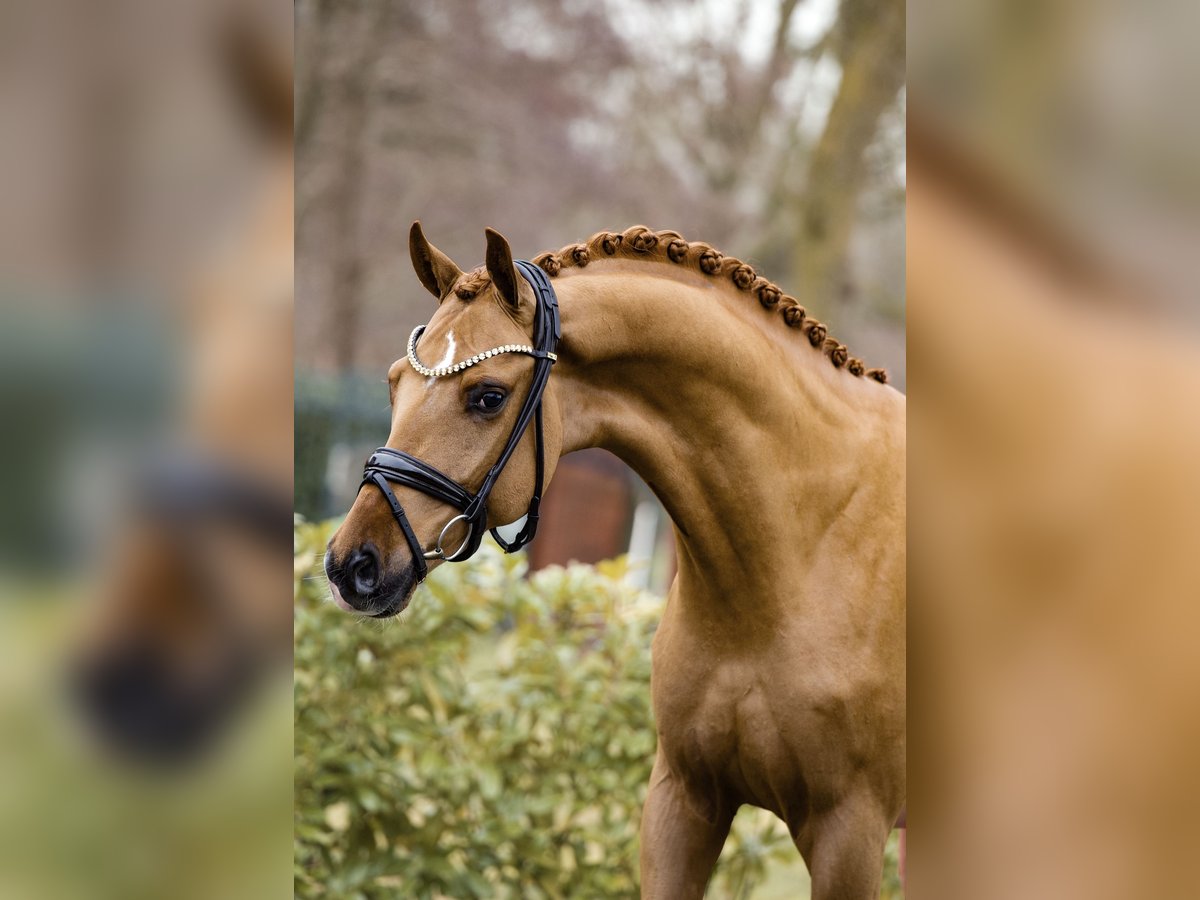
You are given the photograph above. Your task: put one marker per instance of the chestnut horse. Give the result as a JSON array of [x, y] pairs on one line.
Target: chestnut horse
[[779, 665]]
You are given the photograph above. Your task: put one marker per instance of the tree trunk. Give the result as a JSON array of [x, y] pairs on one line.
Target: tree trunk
[[348, 265], [872, 61]]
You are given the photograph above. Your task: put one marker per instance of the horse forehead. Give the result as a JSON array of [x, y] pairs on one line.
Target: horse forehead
[[477, 325]]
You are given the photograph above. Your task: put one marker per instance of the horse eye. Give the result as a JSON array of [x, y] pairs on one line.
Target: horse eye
[[490, 401]]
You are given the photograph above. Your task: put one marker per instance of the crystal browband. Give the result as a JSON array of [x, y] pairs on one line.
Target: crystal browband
[[439, 372]]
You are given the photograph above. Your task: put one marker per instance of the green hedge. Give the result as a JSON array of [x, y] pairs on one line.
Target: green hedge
[[493, 741]]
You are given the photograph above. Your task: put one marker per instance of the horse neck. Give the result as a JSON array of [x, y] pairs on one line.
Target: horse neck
[[753, 441]]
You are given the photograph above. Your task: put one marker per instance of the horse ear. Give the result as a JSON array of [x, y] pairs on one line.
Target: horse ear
[[500, 266], [436, 270]]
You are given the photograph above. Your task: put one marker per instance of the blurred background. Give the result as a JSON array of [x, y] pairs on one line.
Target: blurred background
[[1074, 108], [772, 129], [145, 466], [1054, 499]]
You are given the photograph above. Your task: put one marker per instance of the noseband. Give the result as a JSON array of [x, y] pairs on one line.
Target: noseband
[[387, 466]]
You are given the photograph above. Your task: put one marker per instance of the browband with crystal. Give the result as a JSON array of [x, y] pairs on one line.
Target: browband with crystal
[[441, 371]]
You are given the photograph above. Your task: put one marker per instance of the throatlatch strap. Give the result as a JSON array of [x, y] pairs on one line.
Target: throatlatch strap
[[529, 529]]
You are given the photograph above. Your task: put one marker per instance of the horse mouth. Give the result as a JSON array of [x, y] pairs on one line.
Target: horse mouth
[[385, 605], [394, 607]]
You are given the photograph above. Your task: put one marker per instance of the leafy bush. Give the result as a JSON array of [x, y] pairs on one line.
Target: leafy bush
[[495, 741]]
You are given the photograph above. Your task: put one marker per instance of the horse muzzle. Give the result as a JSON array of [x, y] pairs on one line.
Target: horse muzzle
[[360, 584]]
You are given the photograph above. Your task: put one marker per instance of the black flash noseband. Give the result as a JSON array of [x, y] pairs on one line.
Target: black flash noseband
[[387, 466]]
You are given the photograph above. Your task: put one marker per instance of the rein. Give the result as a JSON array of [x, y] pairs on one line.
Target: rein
[[387, 466]]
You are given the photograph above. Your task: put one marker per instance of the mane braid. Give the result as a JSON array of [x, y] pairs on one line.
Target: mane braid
[[639, 242]]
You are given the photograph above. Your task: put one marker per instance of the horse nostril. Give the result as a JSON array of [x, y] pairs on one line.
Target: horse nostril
[[363, 569]]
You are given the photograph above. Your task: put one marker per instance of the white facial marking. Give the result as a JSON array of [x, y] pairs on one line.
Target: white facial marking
[[446, 359]]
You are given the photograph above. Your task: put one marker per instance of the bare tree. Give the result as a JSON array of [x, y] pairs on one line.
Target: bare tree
[[553, 120]]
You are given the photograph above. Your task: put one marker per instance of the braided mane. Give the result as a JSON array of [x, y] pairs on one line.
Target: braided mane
[[639, 242]]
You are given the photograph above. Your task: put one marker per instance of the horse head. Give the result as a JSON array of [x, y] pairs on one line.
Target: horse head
[[463, 398]]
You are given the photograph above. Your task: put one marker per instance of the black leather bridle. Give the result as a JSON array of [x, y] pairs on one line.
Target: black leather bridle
[[177, 489], [387, 466]]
